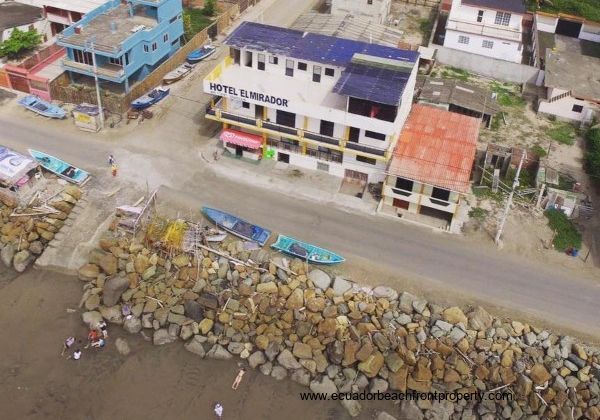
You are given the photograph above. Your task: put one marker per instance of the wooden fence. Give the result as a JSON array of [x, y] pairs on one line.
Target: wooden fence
[[61, 88]]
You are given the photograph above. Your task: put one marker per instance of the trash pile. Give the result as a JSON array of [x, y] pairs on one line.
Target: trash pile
[[330, 334]]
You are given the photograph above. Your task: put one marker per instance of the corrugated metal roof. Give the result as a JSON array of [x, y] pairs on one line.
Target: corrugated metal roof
[[436, 147], [311, 47], [372, 83], [515, 6], [456, 92]]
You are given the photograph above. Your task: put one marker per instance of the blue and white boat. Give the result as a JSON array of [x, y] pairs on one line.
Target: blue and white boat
[[60, 167], [39, 106], [237, 226], [306, 251], [154, 96], [200, 54]]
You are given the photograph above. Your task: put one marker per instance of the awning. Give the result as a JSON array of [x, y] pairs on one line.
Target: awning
[[240, 138]]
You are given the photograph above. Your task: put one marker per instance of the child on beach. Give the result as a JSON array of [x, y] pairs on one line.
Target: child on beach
[[219, 410], [76, 355], [67, 345]]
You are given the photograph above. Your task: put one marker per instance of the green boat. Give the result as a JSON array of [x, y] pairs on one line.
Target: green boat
[[305, 251]]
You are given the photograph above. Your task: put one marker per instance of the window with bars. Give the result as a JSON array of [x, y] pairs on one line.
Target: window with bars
[[502, 18], [289, 67], [463, 39], [316, 74], [487, 44], [261, 61], [82, 57]]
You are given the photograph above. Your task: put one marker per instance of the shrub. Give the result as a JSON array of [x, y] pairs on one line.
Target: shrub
[[592, 156], [194, 21], [478, 213], [539, 151], [566, 233], [210, 8], [506, 96], [563, 133], [18, 42]]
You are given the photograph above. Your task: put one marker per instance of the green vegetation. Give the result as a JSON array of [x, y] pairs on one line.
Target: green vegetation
[[563, 133], [587, 9], [538, 150], [210, 7], [592, 156], [485, 192], [194, 20], [478, 213], [426, 26], [455, 73], [526, 178], [506, 95], [566, 233], [19, 42]]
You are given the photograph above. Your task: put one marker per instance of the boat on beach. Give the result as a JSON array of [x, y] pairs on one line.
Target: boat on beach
[[237, 226], [177, 74], [200, 54], [306, 251], [152, 97], [60, 167], [39, 106]]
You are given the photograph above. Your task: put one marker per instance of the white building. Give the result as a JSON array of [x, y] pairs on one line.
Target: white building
[[493, 28], [63, 13], [314, 101], [23, 17], [375, 10]]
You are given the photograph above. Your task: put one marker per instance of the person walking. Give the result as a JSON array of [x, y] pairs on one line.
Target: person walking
[[113, 169], [111, 160], [219, 410]]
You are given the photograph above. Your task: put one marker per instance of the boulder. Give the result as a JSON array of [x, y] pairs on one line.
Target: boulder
[[385, 292], [256, 359], [106, 261], [341, 286], [122, 346], [88, 272], [92, 302], [112, 314], [479, 319], [287, 360], [7, 254], [208, 301], [324, 386], [21, 260], [149, 273], [180, 260], [161, 337], [382, 415], [195, 346], [276, 372], [296, 299], [406, 303], [141, 263], [301, 376], [371, 366], [454, 315], [193, 310], [36, 247], [269, 287], [219, 352], [539, 374], [205, 325], [132, 325], [91, 318], [302, 351], [353, 407], [113, 289], [320, 279]]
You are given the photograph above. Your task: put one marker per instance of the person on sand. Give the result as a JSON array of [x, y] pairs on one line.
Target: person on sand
[[102, 327], [99, 343], [111, 160], [219, 410], [67, 345], [93, 335], [238, 379], [76, 355]]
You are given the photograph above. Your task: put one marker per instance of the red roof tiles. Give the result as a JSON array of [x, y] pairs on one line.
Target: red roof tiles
[[436, 147]]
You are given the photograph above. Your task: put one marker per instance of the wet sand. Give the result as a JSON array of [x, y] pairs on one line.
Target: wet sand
[[164, 382]]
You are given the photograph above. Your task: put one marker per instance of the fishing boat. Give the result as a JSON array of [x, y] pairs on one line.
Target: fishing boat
[[200, 54], [60, 167], [150, 98], [39, 106], [237, 226], [177, 74], [305, 251]]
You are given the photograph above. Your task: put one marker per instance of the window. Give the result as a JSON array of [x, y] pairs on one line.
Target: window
[[175, 42], [364, 159], [261, 61], [154, 46], [487, 44], [248, 61], [165, 37], [404, 184], [173, 19], [273, 59], [369, 1], [127, 58], [82, 57], [480, 16], [246, 105], [329, 71], [577, 108], [502, 18], [146, 48], [286, 118], [463, 39], [374, 135], [326, 128], [317, 74], [302, 66], [115, 61], [440, 194], [289, 67]]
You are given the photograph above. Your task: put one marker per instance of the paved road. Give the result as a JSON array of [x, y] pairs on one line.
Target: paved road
[[440, 262]]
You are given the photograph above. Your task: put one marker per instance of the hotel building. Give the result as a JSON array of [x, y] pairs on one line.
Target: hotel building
[[314, 101]]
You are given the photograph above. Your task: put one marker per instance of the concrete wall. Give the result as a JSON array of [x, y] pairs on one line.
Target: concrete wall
[[469, 14], [563, 109], [500, 48], [486, 66]]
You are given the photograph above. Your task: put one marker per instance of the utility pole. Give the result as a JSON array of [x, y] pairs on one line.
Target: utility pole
[[510, 198], [98, 99]]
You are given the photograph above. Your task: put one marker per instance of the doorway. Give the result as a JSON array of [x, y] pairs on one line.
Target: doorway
[[258, 112], [239, 151], [568, 28], [283, 157]]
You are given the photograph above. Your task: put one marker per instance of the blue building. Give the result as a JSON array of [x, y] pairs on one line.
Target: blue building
[[129, 40]]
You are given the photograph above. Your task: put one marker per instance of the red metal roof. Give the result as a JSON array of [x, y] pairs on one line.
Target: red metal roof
[[436, 147], [240, 138]]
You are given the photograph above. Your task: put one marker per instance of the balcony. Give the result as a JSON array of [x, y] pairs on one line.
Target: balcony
[[110, 71], [329, 157], [321, 138], [365, 149], [496, 31], [438, 204], [409, 196], [422, 200]]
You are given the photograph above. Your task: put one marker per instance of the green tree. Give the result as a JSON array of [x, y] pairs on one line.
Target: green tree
[[210, 7], [18, 42]]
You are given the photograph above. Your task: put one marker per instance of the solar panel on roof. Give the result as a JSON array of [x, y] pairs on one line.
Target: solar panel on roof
[[308, 46]]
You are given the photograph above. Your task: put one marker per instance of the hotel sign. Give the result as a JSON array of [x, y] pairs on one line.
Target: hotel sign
[[218, 88]]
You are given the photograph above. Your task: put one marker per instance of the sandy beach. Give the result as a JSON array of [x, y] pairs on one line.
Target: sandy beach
[[152, 382]]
